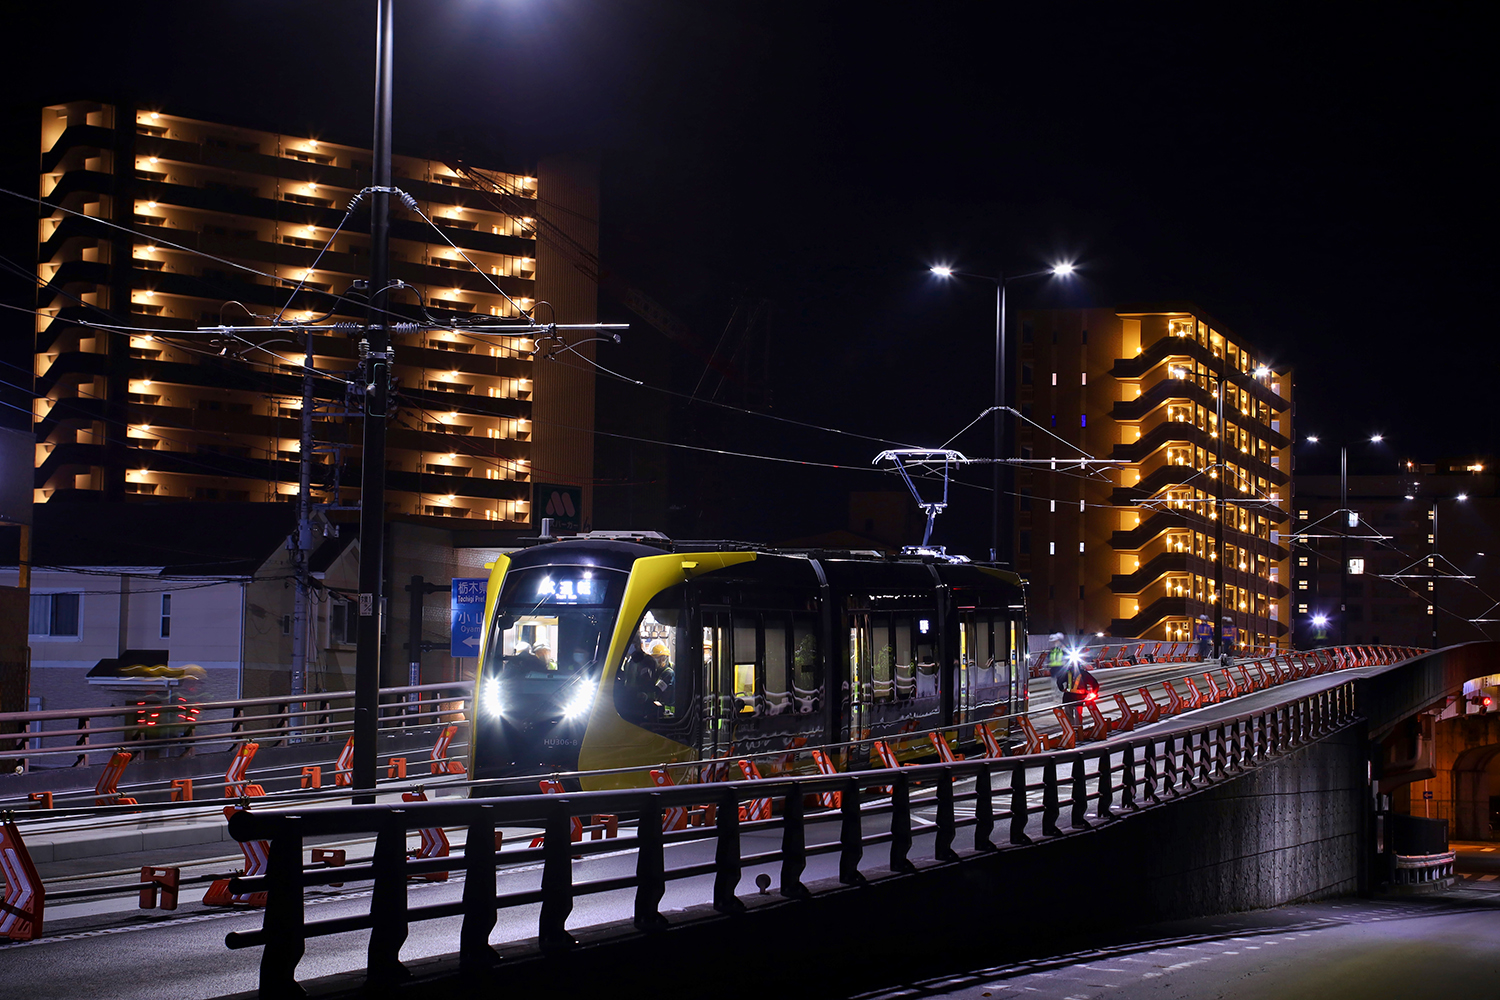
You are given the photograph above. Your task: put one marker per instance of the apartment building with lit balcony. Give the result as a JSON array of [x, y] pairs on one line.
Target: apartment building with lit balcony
[[1128, 550], [214, 224]]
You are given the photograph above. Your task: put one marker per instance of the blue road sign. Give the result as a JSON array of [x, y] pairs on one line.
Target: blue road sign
[[467, 615]]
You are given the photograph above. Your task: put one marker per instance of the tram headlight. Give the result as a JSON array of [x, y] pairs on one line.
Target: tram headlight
[[489, 698], [578, 702]]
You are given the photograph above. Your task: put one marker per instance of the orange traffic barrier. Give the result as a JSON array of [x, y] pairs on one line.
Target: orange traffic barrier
[[25, 896], [434, 841], [1035, 741], [1128, 715], [1101, 726], [1153, 710], [107, 790], [1215, 694], [944, 751], [440, 763], [44, 799], [182, 789], [395, 767], [886, 754], [312, 776], [236, 785], [1069, 738], [673, 818], [704, 815], [756, 808], [343, 768], [600, 824], [1195, 697], [986, 736], [333, 857], [828, 800], [163, 879], [257, 855], [1175, 704], [1231, 686]]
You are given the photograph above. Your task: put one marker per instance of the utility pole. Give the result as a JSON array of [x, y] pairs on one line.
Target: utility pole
[[302, 544], [374, 353], [1219, 522]]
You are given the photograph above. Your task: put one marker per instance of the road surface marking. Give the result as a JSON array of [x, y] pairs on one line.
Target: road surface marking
[[1487, 878]]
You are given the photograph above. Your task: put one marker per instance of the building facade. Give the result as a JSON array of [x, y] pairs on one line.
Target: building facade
[[1415, 565], [214, 225], [1129, 550]]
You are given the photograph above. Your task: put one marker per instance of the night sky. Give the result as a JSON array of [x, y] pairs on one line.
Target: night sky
[[1315, 178]]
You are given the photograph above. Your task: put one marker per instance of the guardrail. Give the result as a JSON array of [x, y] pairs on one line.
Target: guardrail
[[269, 721], [1114, 778]]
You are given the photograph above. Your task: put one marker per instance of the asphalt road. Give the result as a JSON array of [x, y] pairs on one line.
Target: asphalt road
[[1444, 947]]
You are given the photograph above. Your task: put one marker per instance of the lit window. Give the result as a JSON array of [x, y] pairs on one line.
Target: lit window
[[1052, 548]]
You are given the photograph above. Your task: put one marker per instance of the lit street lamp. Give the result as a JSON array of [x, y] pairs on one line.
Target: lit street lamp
[[1001, 506], [1351, 521]]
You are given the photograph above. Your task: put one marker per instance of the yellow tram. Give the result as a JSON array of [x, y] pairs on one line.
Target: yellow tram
[[608, 650]]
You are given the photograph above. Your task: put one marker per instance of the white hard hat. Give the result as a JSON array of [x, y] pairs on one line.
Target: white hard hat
[[1056, 637]]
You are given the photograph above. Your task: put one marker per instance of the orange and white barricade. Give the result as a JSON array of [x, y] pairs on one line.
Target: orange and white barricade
[[1152, 711], [257, 856], [434, 841], [673, 818], [107, 791], [440, 762], [944, 750], [1128, 715], [1069, 738], [1195, 697], [1231, 686], [1100, 727], [828, 800], [235, 782], [25, 896], [1175, 702], [600, 824], [1215, 694], [343, 768], [986, 737], [756, 808]]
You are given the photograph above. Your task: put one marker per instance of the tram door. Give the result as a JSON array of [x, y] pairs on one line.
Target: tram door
[[986, 665], [718, 685], [861, 678]]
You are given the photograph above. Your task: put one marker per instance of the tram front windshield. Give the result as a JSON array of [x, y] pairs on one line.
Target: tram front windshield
[[551, 632]]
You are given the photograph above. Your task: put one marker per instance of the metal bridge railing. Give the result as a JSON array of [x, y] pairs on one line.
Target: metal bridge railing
[[1096, 784]]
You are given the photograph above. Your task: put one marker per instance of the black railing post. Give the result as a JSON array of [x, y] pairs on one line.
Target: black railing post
[[1169, 780], [1018, 805], [388, 902], [650, 867], [284, 924], [901, 824], [1127, 784], [1148, 776], [1051, 810], [1206, 753], [942, 848], [557, 880], [1078, 815], [727, 855], [474, 951], [1106, 786], [793, 846], [851, 835], [984, 811]]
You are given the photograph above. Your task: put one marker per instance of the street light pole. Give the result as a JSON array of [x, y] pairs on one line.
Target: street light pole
[[1000, 509], [1344, 545], [1219, 522], [375, 372], [1002, 543]]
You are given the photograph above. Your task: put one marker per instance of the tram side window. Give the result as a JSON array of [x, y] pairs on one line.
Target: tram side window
[[778, 692], [652, 689], [906, 670], [883, 660], [746, 653], [807, 666]]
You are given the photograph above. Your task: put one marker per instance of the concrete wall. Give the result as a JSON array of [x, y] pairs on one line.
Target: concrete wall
[[1292, 830]]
